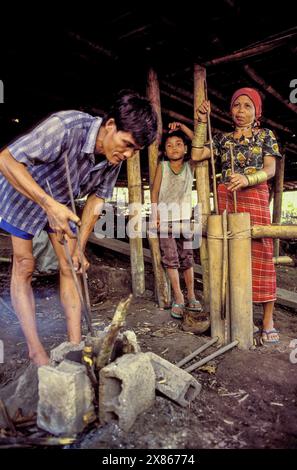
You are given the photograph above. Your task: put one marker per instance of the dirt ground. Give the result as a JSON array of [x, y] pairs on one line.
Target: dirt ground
[[248, 399]]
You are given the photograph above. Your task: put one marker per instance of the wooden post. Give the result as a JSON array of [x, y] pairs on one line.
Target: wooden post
[[202, 182], [240, 275], [278, 196], [162, 286], [136, 249], [215, 250]]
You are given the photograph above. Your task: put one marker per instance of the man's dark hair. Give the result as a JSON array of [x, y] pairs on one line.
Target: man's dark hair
[[134, 113]]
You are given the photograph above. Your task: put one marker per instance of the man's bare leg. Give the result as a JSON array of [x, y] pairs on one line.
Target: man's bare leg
[[23, 299], [68, 292], [189, 280]]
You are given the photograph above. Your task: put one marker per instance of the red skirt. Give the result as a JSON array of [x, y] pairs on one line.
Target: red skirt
[[255, 200]]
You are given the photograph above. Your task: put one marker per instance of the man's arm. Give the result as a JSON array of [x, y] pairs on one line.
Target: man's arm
[[18, 176], [91, 212]]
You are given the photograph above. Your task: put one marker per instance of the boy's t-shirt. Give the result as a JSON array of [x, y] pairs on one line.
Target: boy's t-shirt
[[175, 195]]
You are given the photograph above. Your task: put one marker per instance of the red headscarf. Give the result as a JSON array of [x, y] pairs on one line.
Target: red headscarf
[[253, 95]]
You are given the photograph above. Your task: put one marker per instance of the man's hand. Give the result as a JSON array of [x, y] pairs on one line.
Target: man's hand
[[237, 182], [202, 111], [58, 216], [76, 260]]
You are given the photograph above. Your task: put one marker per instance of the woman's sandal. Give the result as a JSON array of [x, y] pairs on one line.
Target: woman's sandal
[[267, 333], [176, 315]]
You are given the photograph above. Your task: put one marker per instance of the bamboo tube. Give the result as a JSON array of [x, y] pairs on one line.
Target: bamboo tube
[[202, 183], [215, 251], [111, 336], [283, 260], [278, 197], [211, 356], [162, 287], [274, 231], [224, 264], [240, 274], [135, 201]]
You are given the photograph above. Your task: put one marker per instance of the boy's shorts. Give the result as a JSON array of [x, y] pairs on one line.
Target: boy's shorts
[[174, 254]]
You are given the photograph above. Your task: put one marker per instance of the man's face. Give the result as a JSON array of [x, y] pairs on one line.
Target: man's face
[[116, 145]]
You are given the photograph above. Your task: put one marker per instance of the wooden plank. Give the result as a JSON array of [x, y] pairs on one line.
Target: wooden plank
[[286, 298]]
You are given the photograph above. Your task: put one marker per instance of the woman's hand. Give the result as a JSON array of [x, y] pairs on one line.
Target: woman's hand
[[203, 110], [237, 182]]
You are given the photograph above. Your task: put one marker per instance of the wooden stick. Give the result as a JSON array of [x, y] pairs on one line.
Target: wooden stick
[[196, 352], [224, 264], [278, 197], [7, 418], [111, 336], [232, 169], [81, 255], [86, 310], [211, 356], [213, 167]]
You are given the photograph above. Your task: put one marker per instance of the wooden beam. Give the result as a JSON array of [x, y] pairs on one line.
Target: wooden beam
[[285, 232], [268, 88]]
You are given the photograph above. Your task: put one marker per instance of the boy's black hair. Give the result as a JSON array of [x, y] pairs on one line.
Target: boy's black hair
[[134, 113], [177, 133]]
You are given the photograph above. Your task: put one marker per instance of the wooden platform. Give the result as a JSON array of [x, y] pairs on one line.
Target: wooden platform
[[284, 297]]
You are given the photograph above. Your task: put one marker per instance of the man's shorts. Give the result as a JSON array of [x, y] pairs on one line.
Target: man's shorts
[[16, 232]]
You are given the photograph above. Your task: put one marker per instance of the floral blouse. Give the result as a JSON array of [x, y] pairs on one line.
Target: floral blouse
[[249, 152]]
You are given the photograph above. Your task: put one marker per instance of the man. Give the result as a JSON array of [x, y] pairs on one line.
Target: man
[[34, 194]]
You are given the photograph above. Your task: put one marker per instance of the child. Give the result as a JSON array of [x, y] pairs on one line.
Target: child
[[173, 187]]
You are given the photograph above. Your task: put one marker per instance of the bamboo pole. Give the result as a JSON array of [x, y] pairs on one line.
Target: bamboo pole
[[212, 161], [162, 286], [274, 231], [278, 197], [240, 272], [215, 251], [202, 183], [135, 241], [283, 260]]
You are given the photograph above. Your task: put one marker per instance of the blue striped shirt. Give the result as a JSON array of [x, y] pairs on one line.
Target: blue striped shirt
[[42, 151]]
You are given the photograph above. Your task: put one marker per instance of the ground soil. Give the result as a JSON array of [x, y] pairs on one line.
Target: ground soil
[[248, 398]]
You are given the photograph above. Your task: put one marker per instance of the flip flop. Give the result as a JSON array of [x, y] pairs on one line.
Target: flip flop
[[267, 333], [176, 315], [197, 305]]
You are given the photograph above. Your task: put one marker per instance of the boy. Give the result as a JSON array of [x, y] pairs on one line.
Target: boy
[[172, 190]]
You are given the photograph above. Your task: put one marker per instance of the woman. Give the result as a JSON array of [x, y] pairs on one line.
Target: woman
[[255, 150]]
